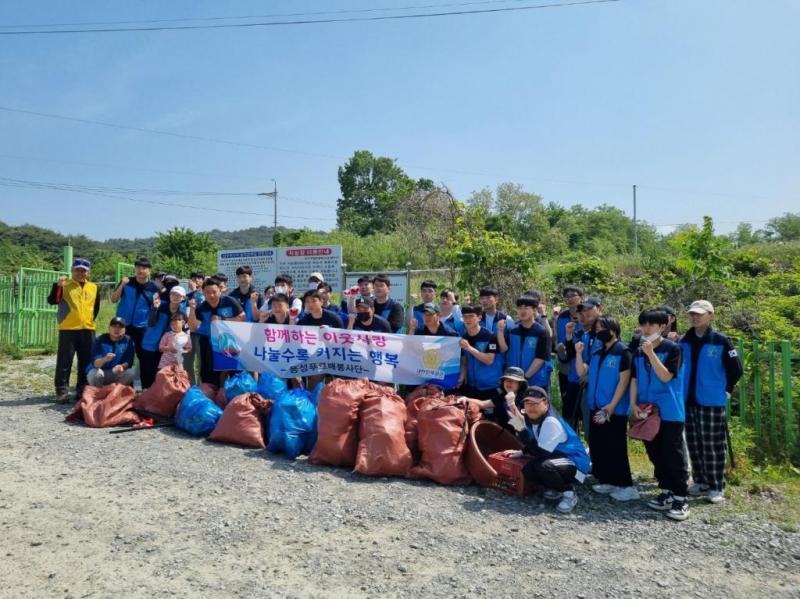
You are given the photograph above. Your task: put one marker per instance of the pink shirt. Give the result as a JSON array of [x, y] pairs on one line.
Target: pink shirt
[[167, 346]]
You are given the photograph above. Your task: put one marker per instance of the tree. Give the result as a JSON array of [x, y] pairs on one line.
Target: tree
[[784, 228], [371, 189], [489, 257], [425, 220], [180, 251]]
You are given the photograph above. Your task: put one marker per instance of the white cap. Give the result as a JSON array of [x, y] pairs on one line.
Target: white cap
[[701, 307], [179, 290], [317, 275]]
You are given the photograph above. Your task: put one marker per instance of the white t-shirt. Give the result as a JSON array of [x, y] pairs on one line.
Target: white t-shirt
[[549, 435]]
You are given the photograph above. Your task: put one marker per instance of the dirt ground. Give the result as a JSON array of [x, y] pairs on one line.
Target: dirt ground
[[155, 513]]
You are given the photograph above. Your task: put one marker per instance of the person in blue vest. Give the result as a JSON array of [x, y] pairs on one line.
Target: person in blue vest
[[609, 372], [157, 325], [656, 382], [559, 459], [573, 296], [491, 316], [525, 345], [575, 411], [385, 306], [431, 324], [247, 295], [481, 360], [713, 368], [195, 292], [135, 297], [427, 293], [449, 312], [112, 357], [215, 307], [365, 318]]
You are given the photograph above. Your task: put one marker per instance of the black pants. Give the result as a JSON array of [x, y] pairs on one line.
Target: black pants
[[608, 446], [69, 344], [571, 405], [136, 334], [472, 392], [207, 372], [668, 457], [554, 472], [148, 367]]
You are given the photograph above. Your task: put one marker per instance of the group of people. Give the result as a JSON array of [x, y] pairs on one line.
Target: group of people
[[681, 383]]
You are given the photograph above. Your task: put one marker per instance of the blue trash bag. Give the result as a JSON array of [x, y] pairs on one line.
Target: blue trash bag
[[316, 392], [270, 387], [293, 423], [238, 384], [197, 415]]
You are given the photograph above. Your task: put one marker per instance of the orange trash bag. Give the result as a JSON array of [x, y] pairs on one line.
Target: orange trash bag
[[210, 390], [443, 433], [337, 415], [382, 449], [421, 396], [163, 397], [111, 405], [242, 421]]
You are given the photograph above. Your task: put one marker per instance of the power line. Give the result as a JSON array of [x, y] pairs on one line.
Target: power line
[[268, 16], [45, 186], [310, 21]]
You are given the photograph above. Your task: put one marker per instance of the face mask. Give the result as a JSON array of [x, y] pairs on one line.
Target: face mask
[[281, 289], [653, 337], [363, 316], [603, 336], [312, 285]]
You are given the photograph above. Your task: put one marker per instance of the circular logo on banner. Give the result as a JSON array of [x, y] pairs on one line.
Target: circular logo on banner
[[431, 358]]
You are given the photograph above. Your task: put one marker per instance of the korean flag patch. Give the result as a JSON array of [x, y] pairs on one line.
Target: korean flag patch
[[732, 353]]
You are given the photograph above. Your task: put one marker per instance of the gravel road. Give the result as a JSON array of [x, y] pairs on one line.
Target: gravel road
[[155, 513]]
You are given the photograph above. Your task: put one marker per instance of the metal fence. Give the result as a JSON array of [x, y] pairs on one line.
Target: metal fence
[[8, 311], [27, 321], [123, 270], [765, 399]]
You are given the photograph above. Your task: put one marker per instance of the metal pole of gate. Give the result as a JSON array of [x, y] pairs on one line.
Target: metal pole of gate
[[68, 258]]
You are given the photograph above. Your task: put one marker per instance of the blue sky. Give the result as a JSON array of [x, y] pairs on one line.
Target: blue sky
[[696, 102]]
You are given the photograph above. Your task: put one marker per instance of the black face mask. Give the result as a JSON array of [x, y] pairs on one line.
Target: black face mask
[[603, 336], [363, 316]]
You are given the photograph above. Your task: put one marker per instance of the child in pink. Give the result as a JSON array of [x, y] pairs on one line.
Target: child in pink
[[175, 342]]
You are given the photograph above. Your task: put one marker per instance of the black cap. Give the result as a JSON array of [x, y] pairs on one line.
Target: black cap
[[365, 301], [117, 321], [536, 393], [591, 302], [430, 308]]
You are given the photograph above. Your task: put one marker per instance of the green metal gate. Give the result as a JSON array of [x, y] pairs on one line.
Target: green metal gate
[[36, 319], [124, 270], [8, 311]]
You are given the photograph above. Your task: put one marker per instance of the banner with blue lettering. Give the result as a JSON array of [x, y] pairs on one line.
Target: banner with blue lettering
[[289, 351]]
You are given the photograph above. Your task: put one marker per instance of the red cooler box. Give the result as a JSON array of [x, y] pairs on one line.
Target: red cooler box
[[509, 475]]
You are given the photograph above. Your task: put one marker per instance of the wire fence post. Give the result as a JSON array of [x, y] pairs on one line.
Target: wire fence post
[[757, 389], [742, 388], [786, 355]]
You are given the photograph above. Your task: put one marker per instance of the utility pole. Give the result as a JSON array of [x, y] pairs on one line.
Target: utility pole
[[635, 232], [274, 195]]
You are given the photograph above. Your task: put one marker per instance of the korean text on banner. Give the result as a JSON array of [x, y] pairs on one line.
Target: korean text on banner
[[289, 351]]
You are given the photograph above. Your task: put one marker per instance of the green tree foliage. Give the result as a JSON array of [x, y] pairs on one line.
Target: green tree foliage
[[371, 188], [784, 228], [180, 251], [487, 257]]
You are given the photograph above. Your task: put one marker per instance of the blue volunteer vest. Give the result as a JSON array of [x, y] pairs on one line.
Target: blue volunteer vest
[[104, 345], [152, 336], [135, 307], [604, 374], [522, 352], [572, 448], [479, 375], [711, 381], [387, 311], [650, 389], [590, 345], [497, 317]]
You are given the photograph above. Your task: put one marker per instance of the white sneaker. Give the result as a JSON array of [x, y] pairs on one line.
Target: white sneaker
[[625, 494], [551, 494], [715, 497], [698, 489], [568, 502], [603, 489]]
